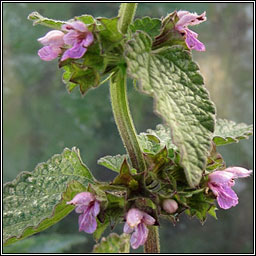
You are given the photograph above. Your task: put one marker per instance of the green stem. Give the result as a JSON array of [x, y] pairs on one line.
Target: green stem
[[126, 14], [124, 120], [152, 244]]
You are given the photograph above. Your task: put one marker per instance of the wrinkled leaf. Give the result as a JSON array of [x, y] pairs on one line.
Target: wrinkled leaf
[[149, 25], [171, 77], [36, 200], [227, 132], [113, 244]]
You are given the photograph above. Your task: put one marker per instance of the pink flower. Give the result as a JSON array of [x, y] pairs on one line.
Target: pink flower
[[79, 37], [190, 19], [52, 41], [89, 207], [220, 182], [136, 221]]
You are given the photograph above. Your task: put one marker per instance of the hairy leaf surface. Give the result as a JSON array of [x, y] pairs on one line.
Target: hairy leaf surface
[[36, 200], [171, 77], [227, 132]]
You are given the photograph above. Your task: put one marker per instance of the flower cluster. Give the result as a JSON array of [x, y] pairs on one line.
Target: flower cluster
[[76, 36]]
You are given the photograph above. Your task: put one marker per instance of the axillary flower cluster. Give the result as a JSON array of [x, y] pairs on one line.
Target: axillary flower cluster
[[74, 35]]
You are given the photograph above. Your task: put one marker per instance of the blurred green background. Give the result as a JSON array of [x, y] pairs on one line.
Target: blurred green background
[[40, 118]]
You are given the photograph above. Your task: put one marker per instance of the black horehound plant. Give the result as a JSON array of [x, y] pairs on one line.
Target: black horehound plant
[[173, 169]]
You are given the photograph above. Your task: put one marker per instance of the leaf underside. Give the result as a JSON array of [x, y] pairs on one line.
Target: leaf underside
[[171, 77], [36, 200], [227, 132]]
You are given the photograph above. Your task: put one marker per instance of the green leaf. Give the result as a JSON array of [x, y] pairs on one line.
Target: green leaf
[[36, 200], [172, 78], [113, 163], [200, 205], [77, 74], [149, 143], [109, 34], [93, 59], [109, 29], [48, 243], [85, 77], [148, 25], [125, 177], [163, 135], [215, 160], [101, 227], [212, 211], [39, 19], [66, 78], [113, 244], [86, 19], [227, 132]]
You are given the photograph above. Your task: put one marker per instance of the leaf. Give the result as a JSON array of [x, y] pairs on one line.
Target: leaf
[[36, 200], [93, 59], [113, 163], [77, 74], [113, 244], [227, 132], [86, 19], [200, 205], [109, 34], [162, 134], [172, 78], [215, 161], [39, 19], [101, 227], [66, 78], [109, 29], [47, 243], [149, 143], [148, 25], [125, 178], [85, 77]]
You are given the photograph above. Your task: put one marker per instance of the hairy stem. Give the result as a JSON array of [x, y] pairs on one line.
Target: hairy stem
[[152, 244], [124, 120], [126, 14]]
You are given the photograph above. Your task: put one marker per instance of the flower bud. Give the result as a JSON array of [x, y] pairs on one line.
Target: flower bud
[[170, 205]]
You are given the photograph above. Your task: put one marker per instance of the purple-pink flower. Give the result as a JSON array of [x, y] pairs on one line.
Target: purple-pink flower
[[137, 221], [190, 19], [220, 182], [79, 37], [89, 207], [52, 41]]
